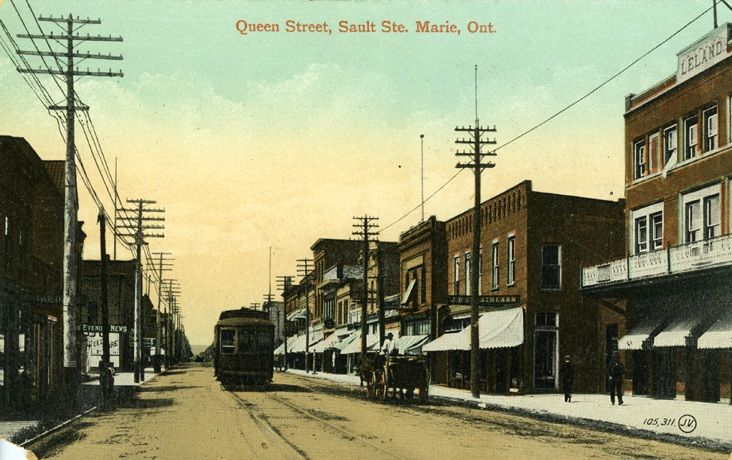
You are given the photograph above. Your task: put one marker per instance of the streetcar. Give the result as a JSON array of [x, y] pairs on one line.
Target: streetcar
[[243, 347]]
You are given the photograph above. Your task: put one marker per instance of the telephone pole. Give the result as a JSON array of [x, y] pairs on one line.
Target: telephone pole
[[102, 219], [284, 282], [142, 229], [476, 142], [172, 293], [167, 266], [304, 268], [421, 156], [365, 228], [70, 262]]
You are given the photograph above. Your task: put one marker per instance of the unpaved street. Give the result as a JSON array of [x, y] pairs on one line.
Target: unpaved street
[[186, 414]]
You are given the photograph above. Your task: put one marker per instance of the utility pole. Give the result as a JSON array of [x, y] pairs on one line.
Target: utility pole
[[102, 219], [380, 290], [477, 142], [172, 292], [304, 268], [269, 278], [284, 282], [364, 227], [70, 262], [141, 229], [421, 140], [158, 326], [116, 205]]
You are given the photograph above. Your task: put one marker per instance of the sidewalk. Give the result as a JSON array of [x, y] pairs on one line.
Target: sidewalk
[[699, 422], [124, 383]]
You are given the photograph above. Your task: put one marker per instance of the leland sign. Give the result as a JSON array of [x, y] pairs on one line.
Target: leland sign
[[704, 53]]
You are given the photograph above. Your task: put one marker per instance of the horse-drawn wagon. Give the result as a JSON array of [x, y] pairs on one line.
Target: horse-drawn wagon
[[403, 374]]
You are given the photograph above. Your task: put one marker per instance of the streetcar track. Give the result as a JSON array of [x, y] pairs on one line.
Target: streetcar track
[[263, 422], [346, 434]]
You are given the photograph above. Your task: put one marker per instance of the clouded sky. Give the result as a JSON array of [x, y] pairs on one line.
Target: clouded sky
[[278, 139]]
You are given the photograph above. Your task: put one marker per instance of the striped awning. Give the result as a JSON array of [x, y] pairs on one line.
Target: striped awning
[[719, 335], [408, 343], [496, 329]]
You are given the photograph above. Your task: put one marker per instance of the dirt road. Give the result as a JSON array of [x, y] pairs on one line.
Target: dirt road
[[186, 414]]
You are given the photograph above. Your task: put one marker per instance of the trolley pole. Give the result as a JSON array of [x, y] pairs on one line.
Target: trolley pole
[[477, 165]]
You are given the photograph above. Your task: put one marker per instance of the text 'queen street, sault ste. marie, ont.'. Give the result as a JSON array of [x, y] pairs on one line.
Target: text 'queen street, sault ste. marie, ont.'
[[384, 26]]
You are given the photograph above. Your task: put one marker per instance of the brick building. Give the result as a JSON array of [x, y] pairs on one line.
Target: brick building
[[678, 165], [31, 255], [422, 283], [532, 247]]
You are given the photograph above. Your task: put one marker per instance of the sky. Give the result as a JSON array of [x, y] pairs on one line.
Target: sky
[[276, 139]]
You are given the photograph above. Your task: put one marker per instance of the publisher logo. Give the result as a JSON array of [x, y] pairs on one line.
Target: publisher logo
[[687, 423]]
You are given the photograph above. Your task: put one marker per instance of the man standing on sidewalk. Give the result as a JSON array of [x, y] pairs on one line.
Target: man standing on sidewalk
[[567, 378], [617, 373]]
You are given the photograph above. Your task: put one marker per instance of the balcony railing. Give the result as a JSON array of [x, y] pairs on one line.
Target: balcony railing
[[677, 259]]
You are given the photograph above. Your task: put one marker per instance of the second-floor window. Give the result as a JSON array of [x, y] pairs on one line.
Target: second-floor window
[[639, 156], [656, 225], [495, 266], [456, 275], [711, 216], [693, 221], [691, 138], [641, 234], [511, 260], [702, 214], [710, 129], [551, 266], [7, 248], [468, 267]]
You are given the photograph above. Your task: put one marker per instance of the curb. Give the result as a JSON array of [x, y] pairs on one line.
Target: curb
[[599, 425]]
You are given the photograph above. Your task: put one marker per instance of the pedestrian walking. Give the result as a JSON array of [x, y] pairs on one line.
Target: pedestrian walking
[[567, 373], [617, 373]]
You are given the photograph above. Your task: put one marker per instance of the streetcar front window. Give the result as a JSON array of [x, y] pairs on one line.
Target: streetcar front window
[[247, 342], [227, 341], [265, 341]]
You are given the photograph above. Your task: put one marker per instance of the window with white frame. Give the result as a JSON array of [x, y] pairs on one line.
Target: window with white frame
[[693, 221], [710, 128], [456, 275], [656, 228], [641, 234], [495, 265], [639, 159], [467, 273], [691, 137], [702, 214], [670, 143], [647, 231], [480, 271], [511, 260], [551, 266], [654, 157], [711, 216]]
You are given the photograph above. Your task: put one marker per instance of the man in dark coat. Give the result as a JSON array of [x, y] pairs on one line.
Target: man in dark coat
[[567, 372], [617, 373]]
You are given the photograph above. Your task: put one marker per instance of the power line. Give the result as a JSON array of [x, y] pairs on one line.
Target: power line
[[561, 111]]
